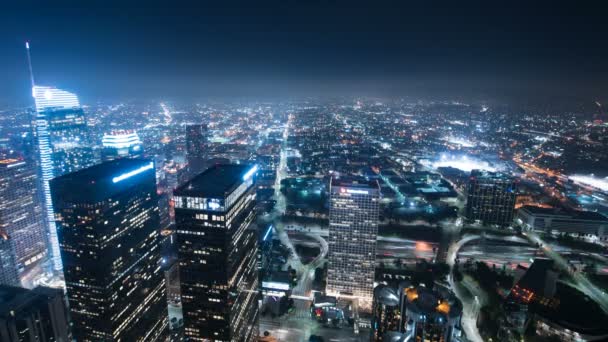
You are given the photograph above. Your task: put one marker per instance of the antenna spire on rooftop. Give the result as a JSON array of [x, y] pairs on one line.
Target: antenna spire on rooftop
[[29, 63]]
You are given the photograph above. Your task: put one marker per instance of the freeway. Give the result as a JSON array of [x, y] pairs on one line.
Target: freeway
[[581, 282], [469, 293], [298, 325], [470, 309]]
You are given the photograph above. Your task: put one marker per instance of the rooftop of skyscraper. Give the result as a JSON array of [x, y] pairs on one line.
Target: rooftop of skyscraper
[[354, 182], [102, 180], [217, 181], [485, 174], [17, 298]]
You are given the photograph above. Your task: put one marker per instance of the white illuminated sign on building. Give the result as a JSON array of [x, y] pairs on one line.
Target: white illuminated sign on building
[[133, 173], [358, 192], [275, 285]]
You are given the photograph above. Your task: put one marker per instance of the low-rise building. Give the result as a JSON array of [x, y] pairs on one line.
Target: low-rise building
[[557, 220]]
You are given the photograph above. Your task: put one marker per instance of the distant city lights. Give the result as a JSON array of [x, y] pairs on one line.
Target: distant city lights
[[596, 182], [460, 141], [463, 163]]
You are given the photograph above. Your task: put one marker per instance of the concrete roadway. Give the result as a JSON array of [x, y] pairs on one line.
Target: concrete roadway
[[581, 282], [471, 303]]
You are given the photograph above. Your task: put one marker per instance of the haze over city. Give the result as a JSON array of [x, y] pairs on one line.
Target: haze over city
[[303, 171], [191, 50]]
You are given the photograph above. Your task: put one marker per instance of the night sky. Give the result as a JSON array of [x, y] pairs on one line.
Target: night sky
[[109, 49]]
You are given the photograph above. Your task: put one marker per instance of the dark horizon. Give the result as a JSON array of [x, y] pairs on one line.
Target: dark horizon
[[287, 49]]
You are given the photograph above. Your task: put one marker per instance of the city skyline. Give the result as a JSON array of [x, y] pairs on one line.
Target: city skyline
[[303, 171]]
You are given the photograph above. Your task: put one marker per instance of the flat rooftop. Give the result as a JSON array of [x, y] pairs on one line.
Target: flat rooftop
[[572, 214], [22, 300], [215, 182], [355, 182], [103, 180]]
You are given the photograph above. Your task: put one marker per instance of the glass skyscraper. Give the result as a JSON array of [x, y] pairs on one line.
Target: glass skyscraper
[[490, 198], [8, 266], [353, 229], [197, 137], [20, 212], [64, 146], [109, 236], [214, 214]]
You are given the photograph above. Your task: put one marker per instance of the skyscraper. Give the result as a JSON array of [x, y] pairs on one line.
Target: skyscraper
[[121, 144], [214, 214], [33, 315], [20, 213], [353, 229], [63, 146], [109, 237], [196, 147], [8, 266], [490, 198]]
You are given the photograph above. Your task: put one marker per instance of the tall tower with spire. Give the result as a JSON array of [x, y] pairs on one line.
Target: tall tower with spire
[[63, 145]]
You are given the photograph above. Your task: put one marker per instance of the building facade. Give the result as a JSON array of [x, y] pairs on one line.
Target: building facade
[[555, 220], [39, 314], [197, 137], [21, 216], [490, 198], [64, 146], [353, 229], [214, 214], [108, 221], [121, 144], [8, 265]]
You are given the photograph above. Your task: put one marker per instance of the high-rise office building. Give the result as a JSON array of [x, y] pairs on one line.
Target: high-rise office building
[[121, 144], [490, 198], [63, 146], [353, 229], [109, 237], [214, 217], [20, 212], [196, 147], [8, 266], [33, 315]]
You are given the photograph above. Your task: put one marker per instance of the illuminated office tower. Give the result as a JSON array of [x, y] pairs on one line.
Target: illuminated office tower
[[63, 146], [196, 147], [490, 198], [353, 229], [121, 144], [20, 214], [214, 217], [8, 266], [107, 218]]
